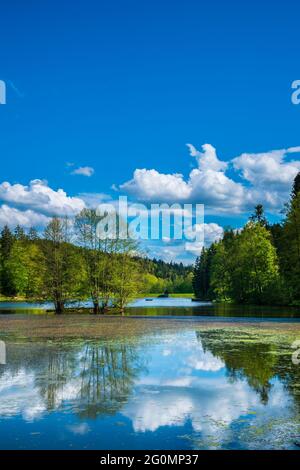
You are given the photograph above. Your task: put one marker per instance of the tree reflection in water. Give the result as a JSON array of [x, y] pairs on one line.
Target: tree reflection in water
[[92, 377], [107, 373], [220, 387], [256, 358]]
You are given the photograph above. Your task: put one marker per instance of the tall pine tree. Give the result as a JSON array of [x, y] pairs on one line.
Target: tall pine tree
[[6, 244]]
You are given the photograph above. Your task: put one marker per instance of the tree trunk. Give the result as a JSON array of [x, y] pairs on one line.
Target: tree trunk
[[59, 307], [96, 309], [122, 307]]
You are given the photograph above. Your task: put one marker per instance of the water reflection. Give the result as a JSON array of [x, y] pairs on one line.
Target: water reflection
[[107, 376], [253, 360], [93, 378], [256, 358], [203, 389], [168, 307]]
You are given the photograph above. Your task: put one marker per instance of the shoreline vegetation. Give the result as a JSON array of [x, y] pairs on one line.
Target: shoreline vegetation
[[153, 295], [258, 264], [68, 263]]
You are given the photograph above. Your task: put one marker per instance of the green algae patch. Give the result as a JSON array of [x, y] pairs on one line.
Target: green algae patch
[[231, 333]]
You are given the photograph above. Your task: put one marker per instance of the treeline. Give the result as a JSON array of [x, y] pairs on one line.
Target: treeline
[[259, 264], [69, 263], [172, 277]]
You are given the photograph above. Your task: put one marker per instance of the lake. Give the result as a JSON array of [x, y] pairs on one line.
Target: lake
[[151, 306], [86, 382]]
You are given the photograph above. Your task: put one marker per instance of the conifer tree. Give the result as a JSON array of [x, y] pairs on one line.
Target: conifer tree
[[6, 243]]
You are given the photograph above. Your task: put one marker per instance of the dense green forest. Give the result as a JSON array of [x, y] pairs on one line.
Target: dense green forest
[[259, 264], [161, 276], [68, 262]]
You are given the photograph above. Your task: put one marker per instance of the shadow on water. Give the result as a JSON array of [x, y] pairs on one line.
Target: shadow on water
[[216, 310]]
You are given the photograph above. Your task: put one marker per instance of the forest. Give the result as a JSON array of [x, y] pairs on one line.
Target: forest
[[68, 263], [258, 264]]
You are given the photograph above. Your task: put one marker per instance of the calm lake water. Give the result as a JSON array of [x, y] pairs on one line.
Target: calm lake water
[[170, 307], [191, 388]]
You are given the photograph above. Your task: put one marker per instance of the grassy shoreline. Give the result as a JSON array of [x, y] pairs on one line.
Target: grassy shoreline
[[139, 296]]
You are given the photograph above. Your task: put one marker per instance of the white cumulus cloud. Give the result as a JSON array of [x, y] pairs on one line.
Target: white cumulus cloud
[[270, 168], [231, 187], [83, 171], [207, 160], [11, 216], [150, 185], [39, 197]]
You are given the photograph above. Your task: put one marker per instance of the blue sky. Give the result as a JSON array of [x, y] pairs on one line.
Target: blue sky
[[119, 86]]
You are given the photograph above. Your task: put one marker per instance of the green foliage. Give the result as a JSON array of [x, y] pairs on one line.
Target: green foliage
[[20, 233], [221, 272], [260, 264], [125, 279], [290, 248], [247, 266], [296, 186], [93, 254], [242, 267], [33, 234], [6, 244], [201, 280], [255, 265], [259, 215], [174, 277], [70, 263], [153, 284], [25, 268], [64, 275]]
